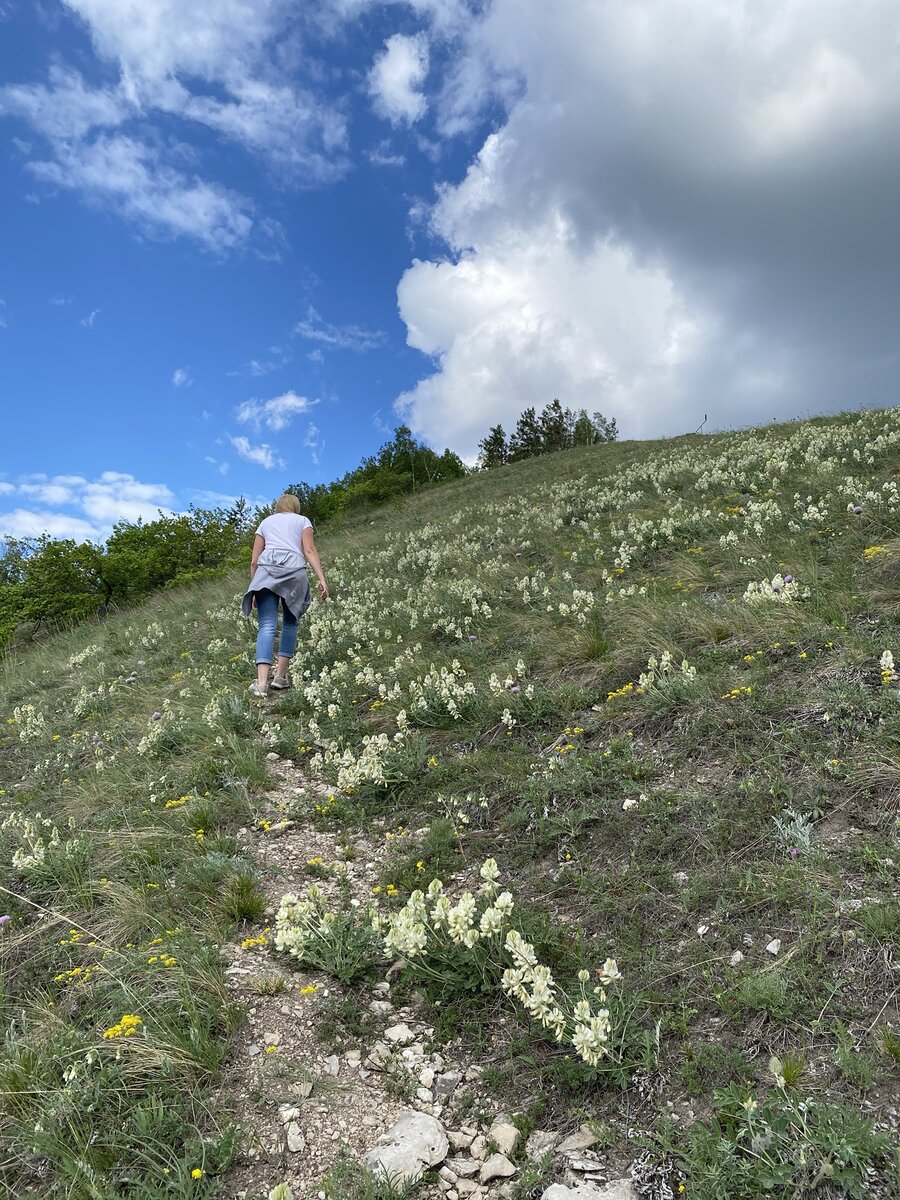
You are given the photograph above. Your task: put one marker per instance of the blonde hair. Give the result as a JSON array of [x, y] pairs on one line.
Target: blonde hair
[[287, 503]]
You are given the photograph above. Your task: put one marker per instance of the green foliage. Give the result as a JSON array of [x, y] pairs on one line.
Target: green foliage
[[780, 1145], [554, 429], [46, 584], [401, 467]]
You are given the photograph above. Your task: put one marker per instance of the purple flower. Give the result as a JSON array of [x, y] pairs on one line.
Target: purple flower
[[788, 579], [5, 919], [794, 852], [515, 689], [857, 508], [472, 637], [155, 716]]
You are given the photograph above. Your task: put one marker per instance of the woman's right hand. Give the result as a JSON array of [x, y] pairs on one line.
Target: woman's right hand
[[323, 590]]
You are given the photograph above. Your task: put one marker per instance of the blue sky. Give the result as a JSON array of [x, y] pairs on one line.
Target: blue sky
[[243, 239]]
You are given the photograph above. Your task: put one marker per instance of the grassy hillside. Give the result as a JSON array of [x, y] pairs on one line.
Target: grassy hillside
[[577, 666]]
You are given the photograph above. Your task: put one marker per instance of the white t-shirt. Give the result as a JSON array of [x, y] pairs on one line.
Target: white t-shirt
[[283, 531]]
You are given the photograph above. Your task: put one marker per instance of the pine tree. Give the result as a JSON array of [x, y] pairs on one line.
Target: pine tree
[[527, 441], [554, 427], [493, 450]]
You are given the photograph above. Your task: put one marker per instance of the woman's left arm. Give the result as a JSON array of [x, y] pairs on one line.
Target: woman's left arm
[[259, 544]]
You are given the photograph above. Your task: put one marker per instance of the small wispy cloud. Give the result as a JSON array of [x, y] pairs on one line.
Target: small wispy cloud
[[339, 337], [262, 455], [312, 442], [60, 301], [181, 377], [274, 414], [3, 323], [379, 422], [88, 321], [383, 156], [221, 467]]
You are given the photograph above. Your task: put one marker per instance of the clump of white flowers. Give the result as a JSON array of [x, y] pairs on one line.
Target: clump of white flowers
[[83, 655], [30, 721], [429, 924], [154, 635], [38, 836], [663, 669], [160, 727], [888, 670], [781, 588]]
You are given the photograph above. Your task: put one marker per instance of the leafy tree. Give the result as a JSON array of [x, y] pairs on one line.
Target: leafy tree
[[584, 432], [493, 449], [607, 430]]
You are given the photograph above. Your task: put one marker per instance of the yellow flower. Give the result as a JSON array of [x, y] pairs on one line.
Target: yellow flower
[[308, 990], [391, 890], [196, 1173], [271, 1049]]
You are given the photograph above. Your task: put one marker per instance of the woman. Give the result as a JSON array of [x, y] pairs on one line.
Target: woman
[[281, 549]]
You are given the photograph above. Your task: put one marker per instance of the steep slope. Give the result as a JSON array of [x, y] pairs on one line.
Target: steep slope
[[653, 681]]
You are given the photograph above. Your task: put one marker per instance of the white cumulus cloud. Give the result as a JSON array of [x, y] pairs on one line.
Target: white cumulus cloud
[[657, 234], [181, 377], [397, 77], [97, 504]]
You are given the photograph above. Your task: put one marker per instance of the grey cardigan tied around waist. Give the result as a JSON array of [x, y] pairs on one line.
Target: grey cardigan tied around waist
[[284, 573]]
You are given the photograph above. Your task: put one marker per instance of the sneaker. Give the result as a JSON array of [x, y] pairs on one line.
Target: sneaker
[[280, 683], [259, 692]]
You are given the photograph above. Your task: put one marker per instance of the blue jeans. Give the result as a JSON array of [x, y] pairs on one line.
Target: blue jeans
[[267, 607]]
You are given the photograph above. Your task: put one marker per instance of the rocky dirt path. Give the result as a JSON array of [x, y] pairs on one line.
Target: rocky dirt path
[[389, 1099]]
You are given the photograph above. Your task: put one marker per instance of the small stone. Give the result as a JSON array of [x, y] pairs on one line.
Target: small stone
[[619, 1189], [414, 1143], [447, 1174], [295, 1139], [681, 878], [458, 1140], [353, 1058], [332, 1065], [272, 756], [583, 1165], [426, 1077], [736, 959], [774, 947], [540, 1142], [302, 1088], [503, 1133], [382, 988], [271, 1039], [445, 1085], [424, 1094], [702, 930], [253, 1049], [478, 1148], [747, 939], [497, 1166], [582, 1139], [467, 1187], [381, 1008], [463, 1167], [288, 1113], [379, 1055], [400, 1034]]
